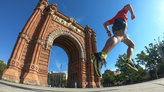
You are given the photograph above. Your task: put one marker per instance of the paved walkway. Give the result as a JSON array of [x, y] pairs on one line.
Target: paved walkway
[[151, 86]]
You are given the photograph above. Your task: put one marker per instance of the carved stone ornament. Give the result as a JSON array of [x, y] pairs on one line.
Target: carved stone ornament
[[14, 63], [72, 20], [42, 4], [25, 36], [68, 24], [55, 34], [34, 67], [40, 41]]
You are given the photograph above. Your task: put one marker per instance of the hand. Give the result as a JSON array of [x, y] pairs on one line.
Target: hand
[[132, 16], [109, 34]]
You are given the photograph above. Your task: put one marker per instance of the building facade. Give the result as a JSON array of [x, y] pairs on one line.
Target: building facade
[[58, 79]]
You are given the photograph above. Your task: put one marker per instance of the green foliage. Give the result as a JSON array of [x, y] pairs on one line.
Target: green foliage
[[119, 78], [127, 75], [161, 69], [140, 75], [109, 79], [2, 67], [102, 80], [142, 58], [120, 63], [150, 59], [153, 55]]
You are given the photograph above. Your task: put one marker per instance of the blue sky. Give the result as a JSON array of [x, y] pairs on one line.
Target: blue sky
[[148, 25]]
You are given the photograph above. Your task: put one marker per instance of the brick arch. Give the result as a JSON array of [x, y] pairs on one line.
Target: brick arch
[[55, 34], [74, 49], [30, 57]]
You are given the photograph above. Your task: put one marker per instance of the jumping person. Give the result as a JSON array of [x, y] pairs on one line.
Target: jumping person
[[119, 29]]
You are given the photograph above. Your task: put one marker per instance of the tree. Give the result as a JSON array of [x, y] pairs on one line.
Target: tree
[[154, 58], [102, 80], [160, 45], [109, 79], [142, 58], [150, 59], [160, 69], [127, 75], [2, 67]]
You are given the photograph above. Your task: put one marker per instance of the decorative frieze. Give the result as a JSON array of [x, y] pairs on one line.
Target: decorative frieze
[[43, 71], [34, 67], [68, 24], [14, 63]]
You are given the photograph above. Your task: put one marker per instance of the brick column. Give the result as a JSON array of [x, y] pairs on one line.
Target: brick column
[[89, 61], [94, 49], [32, 75], [12, 73], [82, 70]]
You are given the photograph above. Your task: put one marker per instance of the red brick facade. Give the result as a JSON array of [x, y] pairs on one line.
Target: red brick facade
[[46, 27]]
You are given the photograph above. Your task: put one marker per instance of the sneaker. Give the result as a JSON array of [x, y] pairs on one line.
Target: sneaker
[[130, 65], [98, 61]]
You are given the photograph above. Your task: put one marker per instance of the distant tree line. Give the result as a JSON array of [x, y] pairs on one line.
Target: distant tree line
[[149, 63]]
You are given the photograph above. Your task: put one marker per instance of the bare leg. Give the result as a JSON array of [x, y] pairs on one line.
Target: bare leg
[[130, 50], [111, 42], [131, 46]]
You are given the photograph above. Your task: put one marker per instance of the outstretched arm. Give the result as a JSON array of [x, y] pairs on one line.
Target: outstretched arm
[[129, 7]]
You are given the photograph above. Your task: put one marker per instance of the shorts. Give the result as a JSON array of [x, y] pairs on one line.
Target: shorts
[[120, 25]]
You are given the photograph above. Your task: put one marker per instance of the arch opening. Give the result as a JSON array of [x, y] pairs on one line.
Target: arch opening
[[74, 52], [58, 68]]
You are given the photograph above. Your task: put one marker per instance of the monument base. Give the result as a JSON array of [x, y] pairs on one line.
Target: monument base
[[31, 78], [11, 74]]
